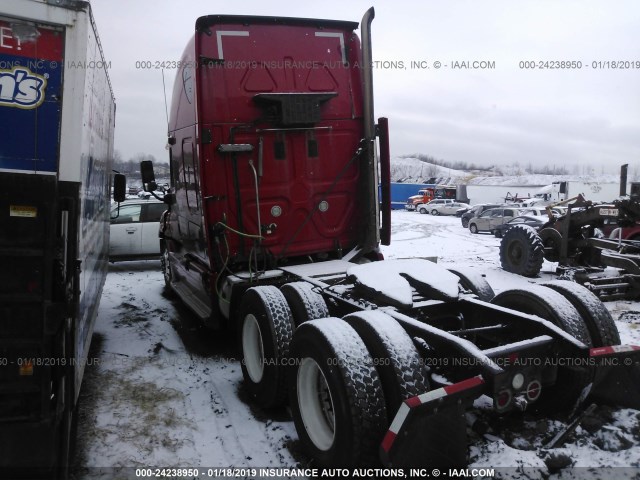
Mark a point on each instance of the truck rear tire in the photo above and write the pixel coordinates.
(552, 306)
(305, 303)
(401, 369)
(266, 329)
(335, 395)
(600, 324)
(474, 282)
(521, 251)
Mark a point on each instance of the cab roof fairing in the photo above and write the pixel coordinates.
(203, 23)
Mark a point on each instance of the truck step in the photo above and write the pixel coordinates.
(202, 310)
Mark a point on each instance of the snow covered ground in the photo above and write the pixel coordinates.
(162, 391)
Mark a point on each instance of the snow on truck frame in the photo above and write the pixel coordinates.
(273, 227)
(56, 146)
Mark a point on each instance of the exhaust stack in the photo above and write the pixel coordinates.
(623, 179)
(367, 61)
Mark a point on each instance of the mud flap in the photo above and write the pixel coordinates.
(617, 377)
(430, 430)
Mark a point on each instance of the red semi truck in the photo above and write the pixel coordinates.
(273, 228)
(57, 118)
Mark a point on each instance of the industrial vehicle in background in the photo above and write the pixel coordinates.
(444, 192)
(576, 241)
(273, 228)
(57, 117)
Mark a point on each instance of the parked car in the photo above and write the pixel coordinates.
(533, 221)
(488, 220)
(475, 211)
(134, 229)
(426, 207)
(446, 208)
(541, 211)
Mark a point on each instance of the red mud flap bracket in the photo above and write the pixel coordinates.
(430, 430)
(617, 376)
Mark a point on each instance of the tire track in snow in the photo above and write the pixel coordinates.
(440, 236)
(228, 433)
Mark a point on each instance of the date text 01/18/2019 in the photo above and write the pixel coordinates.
(579, 65)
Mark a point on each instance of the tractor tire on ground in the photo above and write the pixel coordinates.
(305, 303)
(521, 251)
(552, 306)
(266, 329)
(475, 282)
(600, 324)
(335, 395)
(551, 240)
(401, 369)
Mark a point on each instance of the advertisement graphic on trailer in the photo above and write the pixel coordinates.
(31, 66)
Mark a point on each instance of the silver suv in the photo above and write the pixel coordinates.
(424, 207)
(475, 211)
(488, 220)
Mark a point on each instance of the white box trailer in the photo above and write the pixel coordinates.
(57, 118)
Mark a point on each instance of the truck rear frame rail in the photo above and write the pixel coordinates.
(463, 348)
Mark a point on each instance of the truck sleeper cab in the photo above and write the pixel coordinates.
(271, 153)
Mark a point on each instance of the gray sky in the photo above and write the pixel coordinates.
(504, 115)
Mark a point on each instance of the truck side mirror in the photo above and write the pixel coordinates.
(119, 187)
(148, 176)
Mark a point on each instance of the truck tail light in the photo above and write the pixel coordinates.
(503, 400)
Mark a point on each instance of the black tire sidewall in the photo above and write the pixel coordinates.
(399, 382)
(338, 454)
(268, 391)
(530, 263)
(597, 318)
(299, 310)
